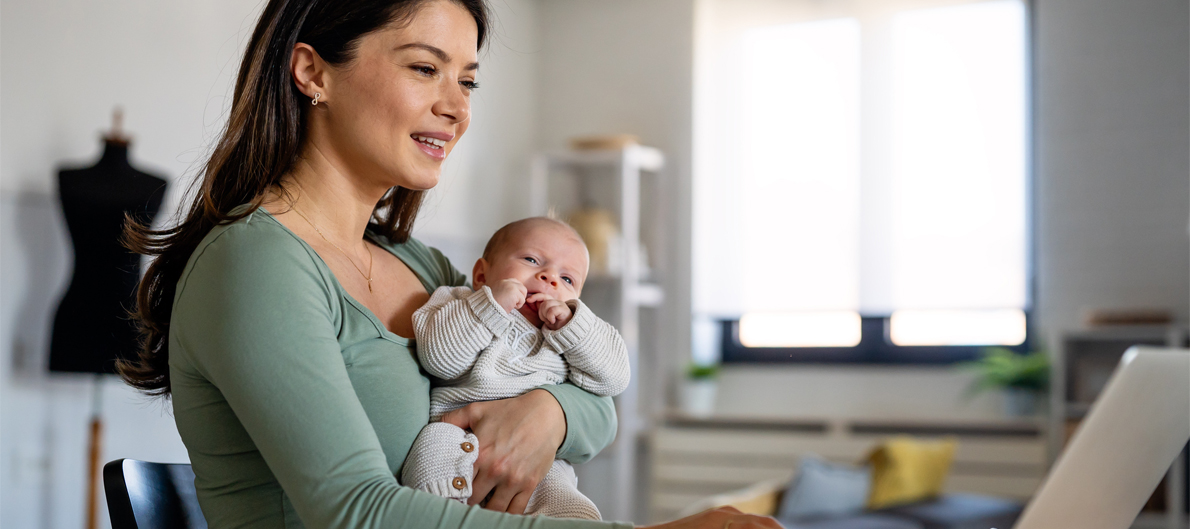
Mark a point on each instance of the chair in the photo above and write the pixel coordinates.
(143, 495)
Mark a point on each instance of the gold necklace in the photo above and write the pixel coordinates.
(367, 276)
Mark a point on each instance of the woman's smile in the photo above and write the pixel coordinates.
(432, 143)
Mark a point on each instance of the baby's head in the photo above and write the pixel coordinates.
(544, 254)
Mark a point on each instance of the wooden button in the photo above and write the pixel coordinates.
(459, 483)
(467, 447)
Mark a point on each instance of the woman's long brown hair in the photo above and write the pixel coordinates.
(261, 143)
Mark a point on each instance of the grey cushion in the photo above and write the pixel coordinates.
(822, 489)
(859, 521)
(961, 511)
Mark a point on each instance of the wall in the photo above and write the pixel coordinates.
(63, 65)
(1113, 125)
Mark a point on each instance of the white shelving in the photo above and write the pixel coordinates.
(610, 179)
(1081, 367)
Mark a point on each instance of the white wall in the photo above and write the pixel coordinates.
(63, 65)
(1113, 125)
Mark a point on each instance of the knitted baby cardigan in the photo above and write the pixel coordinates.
(479, 352)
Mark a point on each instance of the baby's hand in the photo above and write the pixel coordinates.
(510, 294)
(553, 313)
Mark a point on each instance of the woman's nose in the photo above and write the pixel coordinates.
(453, 104)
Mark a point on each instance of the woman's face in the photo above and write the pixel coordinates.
(397, 110)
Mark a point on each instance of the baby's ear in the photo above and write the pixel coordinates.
(479, 274)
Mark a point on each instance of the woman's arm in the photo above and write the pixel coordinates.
(590, 422)
(256, 318)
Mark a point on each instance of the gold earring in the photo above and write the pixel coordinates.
(316, 96)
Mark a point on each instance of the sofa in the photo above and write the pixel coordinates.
(947, 511)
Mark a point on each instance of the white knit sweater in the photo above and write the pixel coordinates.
(479, 352)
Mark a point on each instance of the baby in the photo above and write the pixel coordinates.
(521, 327)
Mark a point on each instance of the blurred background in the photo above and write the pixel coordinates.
(821, 225)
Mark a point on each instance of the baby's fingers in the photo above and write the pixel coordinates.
(558, 316)
(537, 297)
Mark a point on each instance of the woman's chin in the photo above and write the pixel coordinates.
(418, 182)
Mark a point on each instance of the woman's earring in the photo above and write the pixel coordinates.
(316, 96)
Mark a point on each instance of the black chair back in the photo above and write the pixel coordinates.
(142, 495)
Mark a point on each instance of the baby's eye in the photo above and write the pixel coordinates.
(531, 260)
(568, 281)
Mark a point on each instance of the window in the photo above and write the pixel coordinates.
(861, 179)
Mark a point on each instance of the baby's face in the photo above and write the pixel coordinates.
(545, 257)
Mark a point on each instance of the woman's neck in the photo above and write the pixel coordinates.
(339, 203)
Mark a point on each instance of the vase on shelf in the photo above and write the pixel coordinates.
(698, 397)
(1020, 402)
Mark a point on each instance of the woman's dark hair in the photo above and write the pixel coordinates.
(263, 139)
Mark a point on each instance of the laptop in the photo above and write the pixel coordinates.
(1132, 434)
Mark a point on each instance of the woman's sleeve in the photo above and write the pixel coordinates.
(590, 419)
(260, 324)
(590, 422)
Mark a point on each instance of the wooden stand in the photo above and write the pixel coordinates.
(93, 458)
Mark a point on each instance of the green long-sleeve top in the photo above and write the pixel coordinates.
(298, 407)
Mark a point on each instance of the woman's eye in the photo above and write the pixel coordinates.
(469, 85)
(425, 70)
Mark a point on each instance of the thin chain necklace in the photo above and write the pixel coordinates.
(368, 275)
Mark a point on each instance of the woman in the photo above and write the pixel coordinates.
(278, 313)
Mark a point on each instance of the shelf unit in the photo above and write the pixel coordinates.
(611, 179)
(1081, 368)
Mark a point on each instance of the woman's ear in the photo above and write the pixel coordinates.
(309, 72)
(479, 274)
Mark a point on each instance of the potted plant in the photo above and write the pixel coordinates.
(1022, 377)
(699, 388)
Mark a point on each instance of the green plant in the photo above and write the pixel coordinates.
(1002, 368)
(701, 371)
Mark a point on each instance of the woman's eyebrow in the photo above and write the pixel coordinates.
(441, 55)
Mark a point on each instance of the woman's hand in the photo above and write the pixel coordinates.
(721, 518)
(518, 439)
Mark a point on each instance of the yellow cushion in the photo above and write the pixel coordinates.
(906, 470)
(763, 504)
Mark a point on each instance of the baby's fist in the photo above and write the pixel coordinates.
(553, 313)
(509, 294)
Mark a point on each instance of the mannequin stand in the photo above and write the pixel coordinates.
(93, 460)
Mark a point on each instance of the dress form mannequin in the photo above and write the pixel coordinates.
(92, 327)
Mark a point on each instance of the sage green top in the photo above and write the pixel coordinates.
(298, 406)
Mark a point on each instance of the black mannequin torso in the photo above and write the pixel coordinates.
(92, 327)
